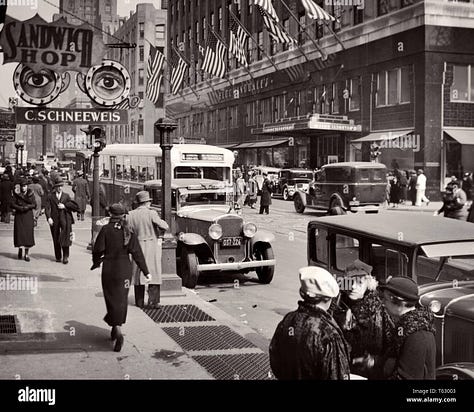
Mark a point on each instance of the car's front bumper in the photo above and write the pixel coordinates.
(365, 208)
(207, 267)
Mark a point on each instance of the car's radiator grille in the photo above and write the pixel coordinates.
(459, 339)
(231, 226)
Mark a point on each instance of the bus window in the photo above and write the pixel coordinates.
(126, 168)
(216, 173)
(347, 251)
(187, 172)
(119, 168)
(134, 168)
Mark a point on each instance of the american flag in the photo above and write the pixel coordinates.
(178, 69)
(154, 74)
(215, 56)
(268, 7)
(237, 40)
(278, 34)
(316, 12)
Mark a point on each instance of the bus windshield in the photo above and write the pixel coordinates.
(205, 172)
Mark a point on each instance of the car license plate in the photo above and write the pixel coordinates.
(231, 242)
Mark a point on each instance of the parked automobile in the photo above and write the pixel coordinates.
(211, 236)
(272, 174)
(290, 180)
(353, 186)
(436, 252)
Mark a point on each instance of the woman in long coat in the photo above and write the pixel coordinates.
(113, 246)
(37, 190)
(23, 202)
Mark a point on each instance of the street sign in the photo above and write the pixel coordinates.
(29, 115)
(7, 120)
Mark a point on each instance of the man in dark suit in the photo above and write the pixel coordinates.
(59, 209)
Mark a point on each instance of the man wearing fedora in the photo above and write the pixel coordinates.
(148, 227)
(412, 354)
(59, 209)
(82, 196)
(308, 343)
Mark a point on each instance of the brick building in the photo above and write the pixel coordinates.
(398, 75)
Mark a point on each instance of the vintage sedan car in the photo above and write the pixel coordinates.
(211, 235)
(352, 186)
(291, 180)
(436, 252)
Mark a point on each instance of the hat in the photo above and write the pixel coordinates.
(80, 172)
(22, 181)
(316, 281)
(143, 196)
(358, 268)
(58, 182)
(404, 288)
(117, 209)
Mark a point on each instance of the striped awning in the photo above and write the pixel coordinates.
(316, 12)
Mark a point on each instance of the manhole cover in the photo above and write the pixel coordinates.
(207, 338)
(7, 324)
(178, 313)
(248, 366)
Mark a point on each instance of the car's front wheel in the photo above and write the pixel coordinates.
(264, 273)
(188, 268)
(298, 203)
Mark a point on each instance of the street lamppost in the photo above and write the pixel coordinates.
(165, 127)
(19, 146)
(96, 136)
(113, 171)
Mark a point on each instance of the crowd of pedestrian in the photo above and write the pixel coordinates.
(367, 331)
(247, 191)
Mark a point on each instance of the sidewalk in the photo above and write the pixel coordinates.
(407, 207)
(61, 335)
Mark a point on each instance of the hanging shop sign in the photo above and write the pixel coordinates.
(58, 46)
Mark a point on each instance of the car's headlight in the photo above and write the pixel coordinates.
(215, 231)
(249, 230)
(435, 306)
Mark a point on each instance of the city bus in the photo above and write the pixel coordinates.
(123, 168)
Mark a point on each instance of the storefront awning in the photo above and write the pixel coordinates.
(463, 136)
(263, 143)
(380, 136)
(310, 124)
(228, 146)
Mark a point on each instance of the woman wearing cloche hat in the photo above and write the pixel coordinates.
(114, 243)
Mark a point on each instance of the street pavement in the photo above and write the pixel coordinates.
(61, 334)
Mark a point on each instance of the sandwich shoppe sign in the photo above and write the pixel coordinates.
(59, 46)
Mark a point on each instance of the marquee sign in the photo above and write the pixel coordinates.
(30, 115)
(58, 46)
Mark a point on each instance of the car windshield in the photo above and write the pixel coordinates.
(202, 197)
(302, 175)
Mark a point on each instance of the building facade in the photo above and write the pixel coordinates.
(389, 74)
(145, 27)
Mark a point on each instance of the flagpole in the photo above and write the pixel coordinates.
(244, 65)
(335, 35)
(258, 45)
(307, 34)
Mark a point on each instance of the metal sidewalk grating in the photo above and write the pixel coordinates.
(177, 313)
(207, 338)
(7, 324)
(247, 366)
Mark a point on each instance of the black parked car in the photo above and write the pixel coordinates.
(290, 180)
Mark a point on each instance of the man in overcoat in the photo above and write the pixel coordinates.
(59, 209)
(82, 196)
(266, 197)
(146, 224)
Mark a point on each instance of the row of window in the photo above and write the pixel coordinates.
(129, 168)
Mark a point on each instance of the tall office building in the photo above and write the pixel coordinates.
(394, 73)
(145, 27)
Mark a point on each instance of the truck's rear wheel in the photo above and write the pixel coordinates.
(298, 203)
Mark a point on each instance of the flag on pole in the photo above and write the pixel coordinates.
(278, 33)
(237, 40)
(268, 7)
(316, 12)
(178, 70)
(215, 56)
(154, 74)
